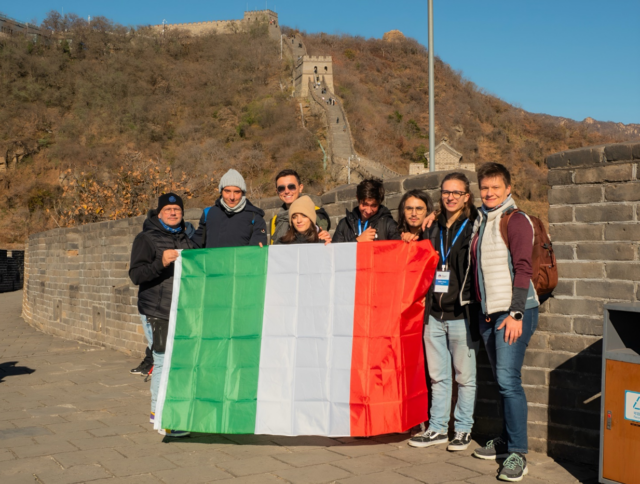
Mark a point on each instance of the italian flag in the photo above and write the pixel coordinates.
(297, 340)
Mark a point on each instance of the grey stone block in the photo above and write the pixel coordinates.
(604, 213)
(393, 201)
(563, 252)
(575, 232)
(269, 202)
(588, 326)
(193, 214)
(337, 209)
(564, 288)
(585, 156)
(344, 192)
(572, 344)
(635, 151)
(581, 270)
(623, 270)
(560, 177)
(554, 323)
(607, 251)
(622, 192)
(575, 195)
(427, 181)
(602, 174)
(618, 152)
(394, 185)
(572, 307)
(557, 160)
(560, 214)
(605, 289)
(630, 232)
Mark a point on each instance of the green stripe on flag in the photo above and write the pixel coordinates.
(213, 380)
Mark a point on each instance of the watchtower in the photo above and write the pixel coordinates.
(315, 69)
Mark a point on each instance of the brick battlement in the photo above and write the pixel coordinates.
(319, 58)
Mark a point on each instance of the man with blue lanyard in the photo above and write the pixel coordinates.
(370, 220)
(450, 334)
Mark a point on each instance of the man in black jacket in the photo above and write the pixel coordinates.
(151, 268)
(233, 221)
(370, 220)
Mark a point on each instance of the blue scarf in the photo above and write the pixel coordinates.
(171, 229)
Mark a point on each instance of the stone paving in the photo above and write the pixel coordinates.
(72, 413)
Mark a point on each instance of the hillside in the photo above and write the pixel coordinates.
(384, 86)
(96, 122)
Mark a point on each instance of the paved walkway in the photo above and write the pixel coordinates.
(72, 413)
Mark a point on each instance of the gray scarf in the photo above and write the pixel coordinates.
(238, 208)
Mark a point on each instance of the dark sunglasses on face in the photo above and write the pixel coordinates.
(291, 187)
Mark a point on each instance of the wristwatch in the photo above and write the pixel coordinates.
(517, 315)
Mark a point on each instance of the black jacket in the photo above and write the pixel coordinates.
(447, 306)
(221, 229)
(146, 269)
(382, 221)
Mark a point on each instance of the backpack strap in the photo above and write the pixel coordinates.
(204, 235)
(504, 223)
(273, 227)
(206, 213)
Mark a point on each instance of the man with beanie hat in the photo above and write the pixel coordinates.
(233, 221)
(151, 268)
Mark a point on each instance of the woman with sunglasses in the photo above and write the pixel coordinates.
(449, 333)
(302, 224)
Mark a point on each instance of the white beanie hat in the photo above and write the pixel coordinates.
(233, 179)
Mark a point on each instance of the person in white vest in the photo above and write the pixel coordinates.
(509, 314)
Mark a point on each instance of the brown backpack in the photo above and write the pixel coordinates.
(543, 260)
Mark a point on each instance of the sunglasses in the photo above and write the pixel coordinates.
(291, 187)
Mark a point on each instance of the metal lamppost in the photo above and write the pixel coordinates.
(432, 141)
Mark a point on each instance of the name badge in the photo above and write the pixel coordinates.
(442, 281)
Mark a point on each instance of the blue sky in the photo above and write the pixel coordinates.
(572, 58)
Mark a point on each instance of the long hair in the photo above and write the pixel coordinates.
(403, 226)
(463, 178)
(311, 234)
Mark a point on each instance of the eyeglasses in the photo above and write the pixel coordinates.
(455, 195)
(418, 210)
(172, 210)
(291, 187)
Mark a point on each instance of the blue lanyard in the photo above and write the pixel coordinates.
(360, 228)
(445, 257)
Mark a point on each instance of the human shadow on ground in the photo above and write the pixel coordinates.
(9, 368)
(286, 441)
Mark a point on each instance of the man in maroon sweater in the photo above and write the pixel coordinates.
(509, 313)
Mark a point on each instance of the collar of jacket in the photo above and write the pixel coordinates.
(249, 207)
(152, 222)
(354, 215)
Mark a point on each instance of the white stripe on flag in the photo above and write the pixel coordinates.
(305, 357)
(173, 312)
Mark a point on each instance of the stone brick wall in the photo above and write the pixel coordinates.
(594, 210)
(11, 270)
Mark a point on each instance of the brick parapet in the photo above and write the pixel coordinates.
(594, 204)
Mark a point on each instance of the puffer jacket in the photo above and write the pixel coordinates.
(218, 228)
(146, 269)
(382, 221)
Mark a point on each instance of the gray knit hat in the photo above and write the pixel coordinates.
(233, 179)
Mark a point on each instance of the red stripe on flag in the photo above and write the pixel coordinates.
(388, 382)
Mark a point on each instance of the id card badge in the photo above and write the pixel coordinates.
(442, 281)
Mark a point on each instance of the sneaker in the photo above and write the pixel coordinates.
(141, 369)
(460, 442)
(496, 448)
(148, 370)
(427, 439)
(152, 417)
(514, 468)
(174, 433)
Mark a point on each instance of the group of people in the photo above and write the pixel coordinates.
(482, 288)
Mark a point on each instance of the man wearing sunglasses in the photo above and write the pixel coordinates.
(289, 188)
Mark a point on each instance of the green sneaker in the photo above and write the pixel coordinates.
(514, 468)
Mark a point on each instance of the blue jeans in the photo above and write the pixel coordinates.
(146, 327)
(158, 363)
(446, 341)
(506, 362)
